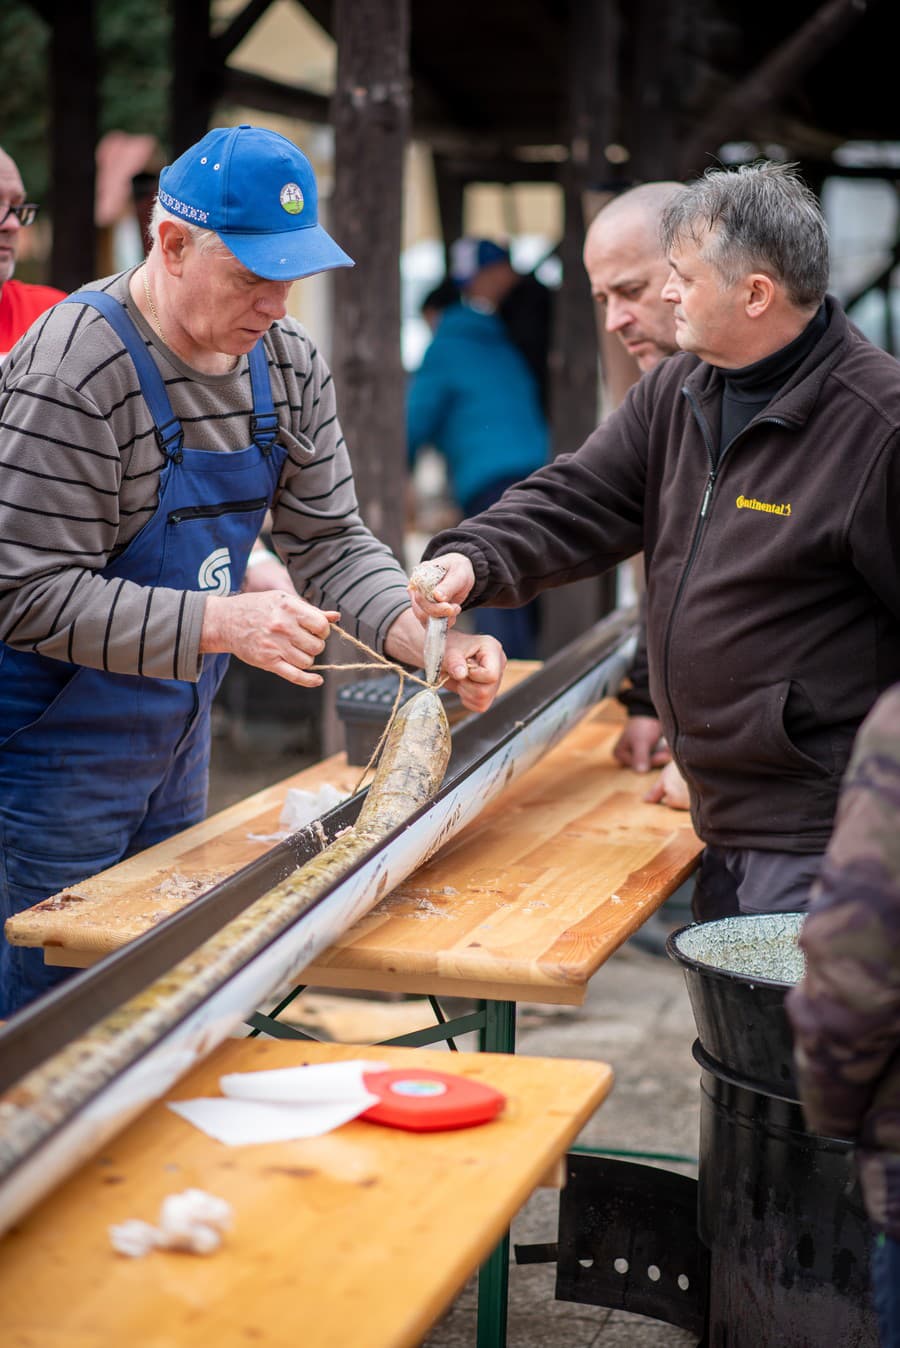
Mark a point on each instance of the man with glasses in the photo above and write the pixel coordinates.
(20, 304)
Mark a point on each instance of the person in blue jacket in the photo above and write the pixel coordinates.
(476, 401)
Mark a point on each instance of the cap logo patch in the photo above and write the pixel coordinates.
(291, 199)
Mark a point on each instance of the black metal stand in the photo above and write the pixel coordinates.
(628, 1240)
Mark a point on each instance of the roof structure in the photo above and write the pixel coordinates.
(494, 82)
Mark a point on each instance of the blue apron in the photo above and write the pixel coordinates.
(95, 766)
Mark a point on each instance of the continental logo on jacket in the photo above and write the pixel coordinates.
(768, 507)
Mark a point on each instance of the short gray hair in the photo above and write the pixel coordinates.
(206, 240)
(762, 217)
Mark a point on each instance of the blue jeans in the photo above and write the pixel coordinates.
(886, 1289)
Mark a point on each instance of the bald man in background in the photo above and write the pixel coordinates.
(627, 269)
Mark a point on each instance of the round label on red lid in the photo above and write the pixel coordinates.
(418, 1087)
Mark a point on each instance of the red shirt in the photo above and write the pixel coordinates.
(20, 305)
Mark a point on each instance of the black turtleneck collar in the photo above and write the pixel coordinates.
(750, 389)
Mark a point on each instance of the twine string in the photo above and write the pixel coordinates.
(382, 660)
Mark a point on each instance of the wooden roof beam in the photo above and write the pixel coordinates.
(233, 35)
(468, 144)
(491, 169)
(322, 11)
(766, 86)
(264, 95)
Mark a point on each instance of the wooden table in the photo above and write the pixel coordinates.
(358, 1238)
(524, 905)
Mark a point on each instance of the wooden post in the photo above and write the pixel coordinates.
(574, 365)
(371, 120)
(73, 81)
(195, 80)
(450, 189)
(653, 103)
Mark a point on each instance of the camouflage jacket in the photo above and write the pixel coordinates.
(846, 1010)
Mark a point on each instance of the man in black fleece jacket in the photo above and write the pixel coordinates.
(759, 472)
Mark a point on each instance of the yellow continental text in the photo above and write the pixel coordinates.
(769, 507)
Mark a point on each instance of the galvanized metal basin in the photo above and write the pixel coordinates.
(778, 1207)
(738, 971)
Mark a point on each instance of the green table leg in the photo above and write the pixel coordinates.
(498, 1036)
(499, 1033)
(493, 1297)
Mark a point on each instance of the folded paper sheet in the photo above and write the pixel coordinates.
(282, 1105)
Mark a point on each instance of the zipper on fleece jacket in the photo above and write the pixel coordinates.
(715, 467)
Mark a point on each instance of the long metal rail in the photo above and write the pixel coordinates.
(60, 1034)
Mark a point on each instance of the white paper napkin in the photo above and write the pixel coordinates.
(283, 1104)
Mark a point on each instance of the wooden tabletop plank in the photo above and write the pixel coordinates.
(524, 904)
(364, 1235)
(535, 894)
(101, 913)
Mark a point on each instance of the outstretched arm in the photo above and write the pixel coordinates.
(473, 665)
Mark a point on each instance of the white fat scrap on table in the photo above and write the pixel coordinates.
(192, 1221)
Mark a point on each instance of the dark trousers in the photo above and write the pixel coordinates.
(734, 880)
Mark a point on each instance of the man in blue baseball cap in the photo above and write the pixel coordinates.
(258, 193)
(150, 422)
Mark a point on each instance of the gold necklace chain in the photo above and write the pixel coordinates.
(233, 361)
(151, 306)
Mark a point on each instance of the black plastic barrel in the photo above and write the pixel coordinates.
(779, 1208)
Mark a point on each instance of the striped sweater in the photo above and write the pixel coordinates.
(79, 475)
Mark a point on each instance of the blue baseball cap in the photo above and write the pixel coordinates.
(258, 192)
(470, 256)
